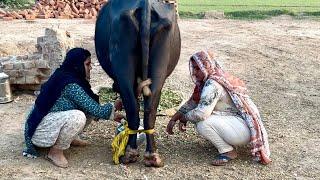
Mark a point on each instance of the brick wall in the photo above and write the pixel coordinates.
(31, 70)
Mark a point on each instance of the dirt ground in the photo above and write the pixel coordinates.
(278, 59)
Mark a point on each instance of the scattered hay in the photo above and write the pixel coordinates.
(169, 98)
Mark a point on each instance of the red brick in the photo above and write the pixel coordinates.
(56, 14)
(7, 18)
(88, 16)
(2, 11)
(86, 11)
(102, 2)
(63, 17)
(75, 15)
(81, 5)
(52, 2)
(93, 12)
(61, 4)
(67, 8)
(43, 16)
(16, 15)
(38, 6)
(23, 13)
(87, 5)
(94, 2)
(74, 9)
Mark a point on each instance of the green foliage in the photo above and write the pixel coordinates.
(17, 3)
(248, 9)
(169, 99)
(189, 15)
(257, 14)
(316, 13)
(107, 95)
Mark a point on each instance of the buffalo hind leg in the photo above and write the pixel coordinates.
(151, 157)
(124, 62)
(159, 62)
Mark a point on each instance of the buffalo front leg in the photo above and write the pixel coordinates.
(131, 106)
(159, 62)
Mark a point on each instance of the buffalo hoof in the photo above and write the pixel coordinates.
(153, 160)
(131, 156)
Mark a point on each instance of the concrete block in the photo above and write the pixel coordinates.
(7, 58)
(35, 57)
(19, 80)
(7, 66)
(40, 39)
(29, 64)
(51, 32)
(17, 65)
(32, 80)
(14, 73)
(42, 64)
(30, 72)
(25, 57)
(39, 48)
(44, 72)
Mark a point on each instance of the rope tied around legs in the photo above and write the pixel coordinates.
(120, 142)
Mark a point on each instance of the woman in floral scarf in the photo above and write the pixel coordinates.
(222, 112)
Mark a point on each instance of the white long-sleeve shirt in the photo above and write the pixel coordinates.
(214, 99)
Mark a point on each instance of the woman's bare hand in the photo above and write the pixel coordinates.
(183, 124)
(118, 105)
(118, 117)
(176, 117)
(170, 127)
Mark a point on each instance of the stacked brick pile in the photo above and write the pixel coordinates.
(32, 70)
(62, 9)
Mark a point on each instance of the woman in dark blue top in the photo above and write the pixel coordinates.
(59, 112)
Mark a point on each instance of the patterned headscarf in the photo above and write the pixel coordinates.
(212, 69)
(238, 93)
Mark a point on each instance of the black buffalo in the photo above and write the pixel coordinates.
(138, 39)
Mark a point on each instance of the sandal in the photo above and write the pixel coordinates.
(221, 160)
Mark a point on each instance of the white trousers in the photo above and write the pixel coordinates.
(224, 131)
(59, 129)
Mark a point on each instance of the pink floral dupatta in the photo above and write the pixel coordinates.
(238, 92)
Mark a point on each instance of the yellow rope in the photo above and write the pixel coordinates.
(120, 142)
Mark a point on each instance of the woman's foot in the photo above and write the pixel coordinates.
(223, 158)
(56, 157)
(79, 142)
